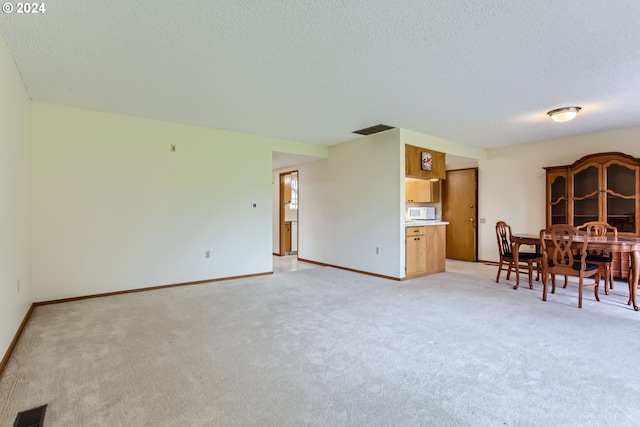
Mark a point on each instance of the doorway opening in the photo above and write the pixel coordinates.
(289, 202)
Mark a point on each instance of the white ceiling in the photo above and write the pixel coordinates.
(480, 72)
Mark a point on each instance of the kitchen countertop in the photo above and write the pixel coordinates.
(425, 222)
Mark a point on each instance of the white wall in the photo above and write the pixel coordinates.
(115, 209)
(352, 203)
(15, 199)
(512, 180)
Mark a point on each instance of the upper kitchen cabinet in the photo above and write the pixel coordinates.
(598, 187)
(422, 190)
(434, 163)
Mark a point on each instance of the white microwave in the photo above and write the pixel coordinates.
(421, 213)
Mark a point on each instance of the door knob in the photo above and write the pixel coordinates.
(470, 219)
(471, 206)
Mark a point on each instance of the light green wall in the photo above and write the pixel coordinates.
(352, 203)
(15, 199)
(114, 208)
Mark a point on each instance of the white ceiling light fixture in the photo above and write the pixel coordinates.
(564, 114)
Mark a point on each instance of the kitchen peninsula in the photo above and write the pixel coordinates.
(426, 239)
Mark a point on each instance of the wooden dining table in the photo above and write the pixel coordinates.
(623, 244)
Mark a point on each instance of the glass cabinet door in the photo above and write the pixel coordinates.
(621, 197)
(586, 192)
(558, 200)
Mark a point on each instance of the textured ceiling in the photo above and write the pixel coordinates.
(481, 72)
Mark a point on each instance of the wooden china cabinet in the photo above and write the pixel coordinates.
(598, 187)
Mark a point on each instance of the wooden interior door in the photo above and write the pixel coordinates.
(459, 208)
(285, 199)
(286, 195)
(416, 251)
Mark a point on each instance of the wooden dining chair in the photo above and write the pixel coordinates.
(503, 234)
(603, 258)
(558, 243)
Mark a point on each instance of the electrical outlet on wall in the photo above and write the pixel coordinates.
(377, 250)
(207, 254)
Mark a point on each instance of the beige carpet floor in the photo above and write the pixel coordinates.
(326, 347)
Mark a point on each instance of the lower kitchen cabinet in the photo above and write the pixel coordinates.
(416, 251)
(425, 250)
(436, 236)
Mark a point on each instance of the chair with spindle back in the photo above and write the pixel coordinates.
(600, 257)
(503, 233)
(558, 243)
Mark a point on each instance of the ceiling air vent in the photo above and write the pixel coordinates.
(31, 418)
(373, 129)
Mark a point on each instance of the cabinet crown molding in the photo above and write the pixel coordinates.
(600, 158)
